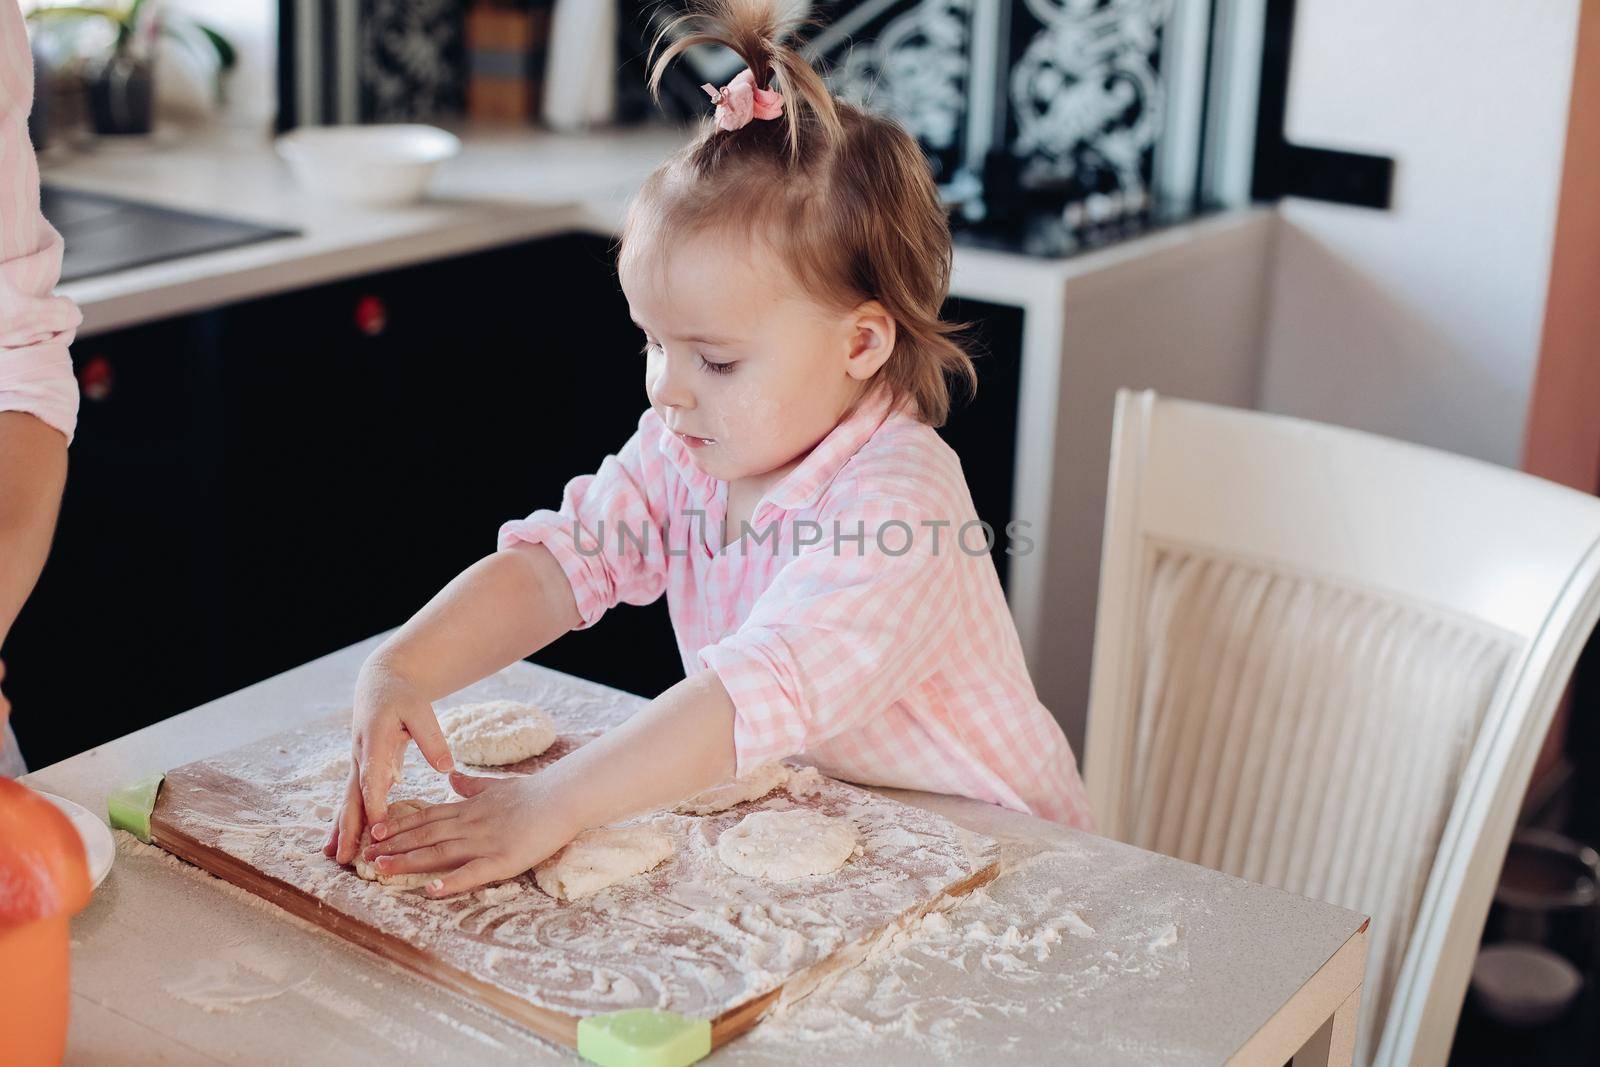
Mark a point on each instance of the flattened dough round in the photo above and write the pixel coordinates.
(602, 857)
(784, 845)
(497, 732)
(758, 783)
(402, 881)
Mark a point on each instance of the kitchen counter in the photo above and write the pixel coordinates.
(506, 186)
(1083, 950)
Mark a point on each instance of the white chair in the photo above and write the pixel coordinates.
(1326, 661)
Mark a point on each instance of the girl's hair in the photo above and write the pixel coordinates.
(842, 197)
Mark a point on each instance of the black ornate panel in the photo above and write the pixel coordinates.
(413, 60)
(1072, 92)
(911, 59)
(1085, 100)
(907, 58)
(1027, 110)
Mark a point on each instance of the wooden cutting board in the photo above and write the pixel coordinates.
(691, 936)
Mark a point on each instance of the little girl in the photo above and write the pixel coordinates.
(831, 593)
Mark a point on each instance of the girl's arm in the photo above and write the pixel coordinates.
(544, 581)
(38, 393)
(678, 745)
(501, 609)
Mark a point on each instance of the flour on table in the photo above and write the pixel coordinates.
(494, 733)
(240, 974)
(753, 786)
(1005, 971)
(599, 858)
(370, 871)
(787, 844)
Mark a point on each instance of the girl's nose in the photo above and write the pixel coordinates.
(666, 385)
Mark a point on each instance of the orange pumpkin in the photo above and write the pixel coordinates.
(44, 881)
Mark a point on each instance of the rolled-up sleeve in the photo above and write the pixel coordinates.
(608, 533)
(844, 630)
(35, 326)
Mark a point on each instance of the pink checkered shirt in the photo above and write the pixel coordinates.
(35, 326)
(887, 658)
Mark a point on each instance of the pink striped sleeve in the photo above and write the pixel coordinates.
(843, 631)
(608, 534)
(35, 326)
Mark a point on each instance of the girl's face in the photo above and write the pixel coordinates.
(747, 371)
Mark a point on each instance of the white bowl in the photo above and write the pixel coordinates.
(372, 165)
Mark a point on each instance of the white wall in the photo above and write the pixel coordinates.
(1423, 322)
(251, 26)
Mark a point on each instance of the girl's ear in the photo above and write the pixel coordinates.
(872, 334)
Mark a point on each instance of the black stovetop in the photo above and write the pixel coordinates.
(106, 233)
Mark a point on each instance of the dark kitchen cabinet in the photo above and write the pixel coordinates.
(377, 457)
(118, 631)
(257, 485)
(983, 429)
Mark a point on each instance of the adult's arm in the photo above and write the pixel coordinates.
(36, 326)
(38, 393)
(33, 470)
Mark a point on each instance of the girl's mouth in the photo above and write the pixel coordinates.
(696, 442)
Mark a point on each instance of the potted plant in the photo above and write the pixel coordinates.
(120, 83)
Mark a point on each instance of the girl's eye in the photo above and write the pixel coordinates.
(714, 368)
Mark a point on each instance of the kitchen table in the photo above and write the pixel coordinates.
(1083, 950)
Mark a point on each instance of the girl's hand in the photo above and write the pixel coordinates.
(504, 827)
(388, 712)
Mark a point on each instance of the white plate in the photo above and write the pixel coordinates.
(97, 842)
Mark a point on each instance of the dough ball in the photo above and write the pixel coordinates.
(753, 786)
(370, 871)
(496, 732)
(599, 858)
(783, 845)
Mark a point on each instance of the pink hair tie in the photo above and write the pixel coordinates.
(739, 101)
